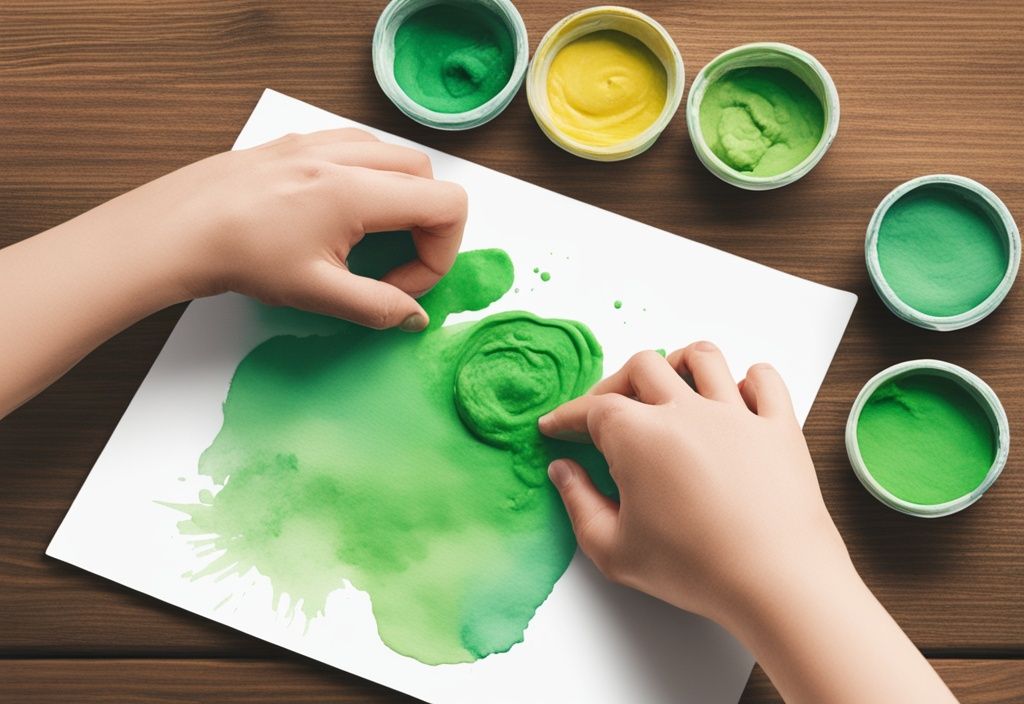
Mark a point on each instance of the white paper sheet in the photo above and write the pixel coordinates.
(590, 641)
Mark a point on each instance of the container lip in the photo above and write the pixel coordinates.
(982, 392)
(727, 173)
(536, 83)
(383, 67)
(943, 322)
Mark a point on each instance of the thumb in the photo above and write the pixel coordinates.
(593, 515)
(333, 290)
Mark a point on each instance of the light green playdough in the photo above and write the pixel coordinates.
(925, 438)
(452, 58)
(407, 465)
(762, 121)
(940, 253)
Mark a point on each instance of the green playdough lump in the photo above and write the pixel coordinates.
(762, 121)
(925, 438)
(515, 368)
(409, 466)
(452, 58)
(940, 253)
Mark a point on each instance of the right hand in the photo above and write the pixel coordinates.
(718, 494)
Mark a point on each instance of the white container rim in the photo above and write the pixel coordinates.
(755, 55)
(981, 392)
(978, 194)
(383, 51)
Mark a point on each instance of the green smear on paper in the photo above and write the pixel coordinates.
(939, 252)
(407, 465)
(762, 121)
(925, 438)
(452, 58)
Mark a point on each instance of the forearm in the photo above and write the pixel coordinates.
(823, 637)
(66, 290)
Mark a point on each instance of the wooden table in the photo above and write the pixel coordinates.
(97, 97)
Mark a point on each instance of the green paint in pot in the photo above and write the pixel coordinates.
(762, 121)
(940, 252)
(451, 58)
(925, 438)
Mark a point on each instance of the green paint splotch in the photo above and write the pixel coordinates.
(409, 466)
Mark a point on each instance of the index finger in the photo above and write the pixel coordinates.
(585, 418)
(434, 211)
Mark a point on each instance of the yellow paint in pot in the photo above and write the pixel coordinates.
(605, 87)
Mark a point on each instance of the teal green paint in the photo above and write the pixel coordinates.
(408, 465)
(617, 304)
(925, 438)
(453, 58)
(940, 253)
(762, 121)
(545, 276)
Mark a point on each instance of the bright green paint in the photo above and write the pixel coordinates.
(545, 276)
(344, 457)
(760, 120)
(940, 253)
(925, 438)
(452, 58)
(617, 304)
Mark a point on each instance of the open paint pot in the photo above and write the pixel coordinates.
(927, 438)
(942, 251)
(761, 116)
(605, 82)
(450, 64)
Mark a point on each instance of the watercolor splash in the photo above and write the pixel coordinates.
(408, 466)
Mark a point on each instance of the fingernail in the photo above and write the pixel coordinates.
(560, 473)
(544, 420)
(414, 323)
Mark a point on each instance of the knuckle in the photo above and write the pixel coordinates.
(608, 412)
(455, 194)
(646, 358)
(420, 161)
(383, 314)
(353, 133)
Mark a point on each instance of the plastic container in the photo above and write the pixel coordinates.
(990, 204)
(977, 388)
(396, 13)
(764, 55)
(605, 17)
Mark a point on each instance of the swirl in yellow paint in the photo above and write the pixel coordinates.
(606, 88)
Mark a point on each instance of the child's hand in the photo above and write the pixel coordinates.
(718, 492)
(277, 222)
(720, 514)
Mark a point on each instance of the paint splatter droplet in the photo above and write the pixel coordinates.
(545, 276)
(617, 304)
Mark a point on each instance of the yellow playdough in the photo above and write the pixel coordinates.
(605, 88)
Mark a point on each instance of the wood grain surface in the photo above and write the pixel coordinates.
(97, 97)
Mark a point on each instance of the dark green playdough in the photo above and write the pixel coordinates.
(406, 464)
(452, 58)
